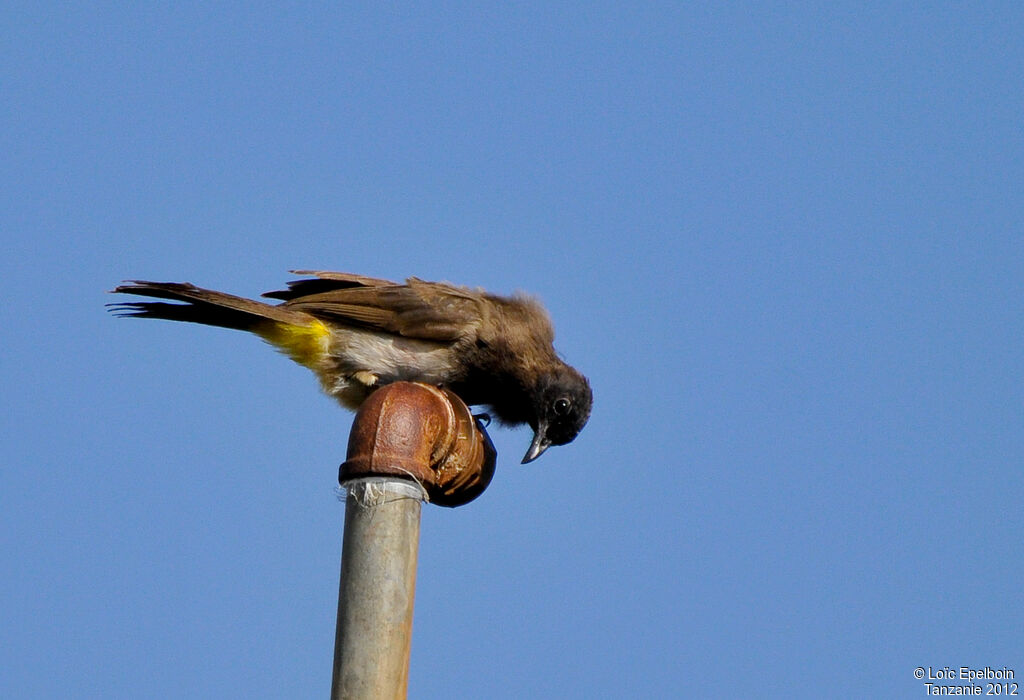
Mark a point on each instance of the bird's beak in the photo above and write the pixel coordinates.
(537, 447)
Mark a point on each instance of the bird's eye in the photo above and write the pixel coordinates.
(562, 406)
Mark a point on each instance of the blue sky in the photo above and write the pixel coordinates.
(784, 242)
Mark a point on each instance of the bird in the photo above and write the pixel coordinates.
(358, 333)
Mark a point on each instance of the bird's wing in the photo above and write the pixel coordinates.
(417, 309)
(324, 281)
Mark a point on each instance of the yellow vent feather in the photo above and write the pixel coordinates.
(307, 345)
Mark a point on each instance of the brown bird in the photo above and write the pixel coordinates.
(358, 333)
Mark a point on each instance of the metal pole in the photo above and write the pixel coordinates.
(409, 443)
(378, 584)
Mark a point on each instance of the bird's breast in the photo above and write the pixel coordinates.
(392, 358)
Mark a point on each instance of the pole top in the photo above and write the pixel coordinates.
(424, 433)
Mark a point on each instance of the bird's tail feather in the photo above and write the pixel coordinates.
(299, 335)
(202, 306)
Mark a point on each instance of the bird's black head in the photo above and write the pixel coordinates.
(561, 406)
